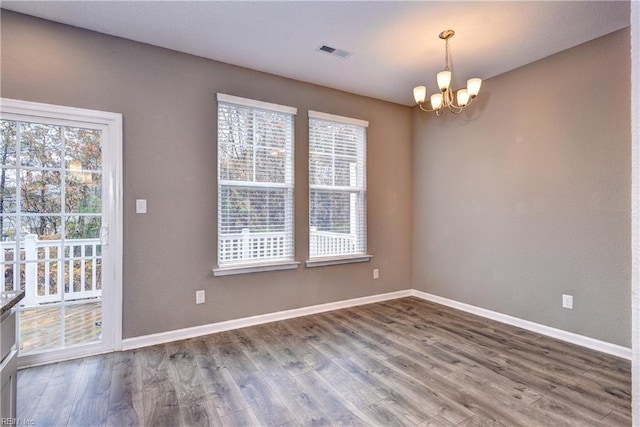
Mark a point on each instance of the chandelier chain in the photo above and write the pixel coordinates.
(446, 55)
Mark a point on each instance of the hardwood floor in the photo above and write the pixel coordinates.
(401, 362)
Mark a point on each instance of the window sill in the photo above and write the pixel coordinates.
(255, 268)
(324, 261)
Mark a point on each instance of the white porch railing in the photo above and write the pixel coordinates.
(326, 243)
(44, 271)
(248, 246)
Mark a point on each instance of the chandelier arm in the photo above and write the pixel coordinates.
(449, 97)
(425, 109)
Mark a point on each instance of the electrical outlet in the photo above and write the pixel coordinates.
(199, 297)
(376, 273)
(567, 301)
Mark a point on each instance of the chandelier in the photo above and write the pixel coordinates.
(454, 101)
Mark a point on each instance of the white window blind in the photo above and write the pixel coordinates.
(255, 182)
(337, 186)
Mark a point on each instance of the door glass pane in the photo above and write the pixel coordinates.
(8, 189)
(8, 129)
(40, 145)
(83, 192)
(83, 149)
(8, 255)
(50, 219)
(82, 227)
(40, 191)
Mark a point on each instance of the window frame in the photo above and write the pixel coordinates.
(344, 258)
(260, 264)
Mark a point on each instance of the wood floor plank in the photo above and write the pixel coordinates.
(36, 375)
(565, 414)
(196, 408)
(402, 362)
(217, 381)
(382, 415)
(358, 393)
(436, 422)
(293, 343)
(479, 421)
(580, 393)
(91, 405)
(59, 396)
(125, 398)
(289, 357)
(32, 384)
(160, 403)
(564, 352)
(416, 349)
(615, 419)
(340, 411)
(539, 380)
(306, 410)
(243, 418)
(266, 405)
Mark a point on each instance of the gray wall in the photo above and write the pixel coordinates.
(527, 196)
(168, 103)
(524, 197)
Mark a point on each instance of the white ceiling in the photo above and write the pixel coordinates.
(395, 44)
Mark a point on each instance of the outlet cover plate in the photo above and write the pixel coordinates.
(567, 301)
(199, 297)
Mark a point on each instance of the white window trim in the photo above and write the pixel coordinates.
(345, 259)
(254, 268)
(112, 270)
(340, 119)
(246, 102)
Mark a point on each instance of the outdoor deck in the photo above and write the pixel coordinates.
(40, 327)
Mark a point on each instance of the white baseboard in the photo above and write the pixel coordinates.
(581, 340)
(212, 328)
(196, 331)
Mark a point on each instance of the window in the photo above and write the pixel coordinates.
(255, 183)
(337, 187)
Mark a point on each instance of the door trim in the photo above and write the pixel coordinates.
(113, 217)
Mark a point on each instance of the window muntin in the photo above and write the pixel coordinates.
(255, 182)
(337, 186)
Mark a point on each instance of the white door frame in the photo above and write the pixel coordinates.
(111, 123)
(635, 210)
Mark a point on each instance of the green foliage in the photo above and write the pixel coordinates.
(58, 171)
(53, 175)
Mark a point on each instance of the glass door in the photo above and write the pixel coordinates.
(54, 235)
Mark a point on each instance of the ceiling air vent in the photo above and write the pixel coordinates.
(334, 51)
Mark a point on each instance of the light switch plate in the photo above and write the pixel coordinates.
(141, 206)
(199, 297)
